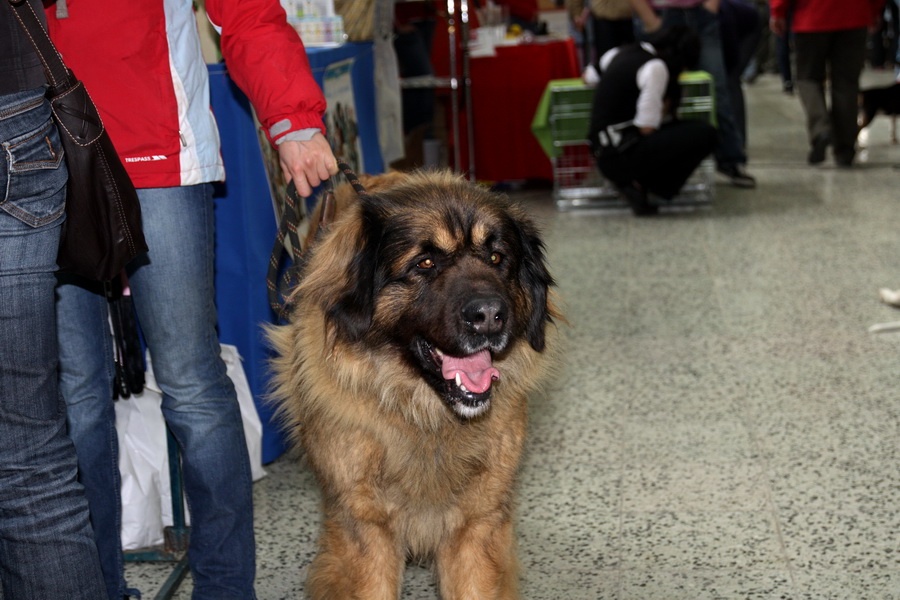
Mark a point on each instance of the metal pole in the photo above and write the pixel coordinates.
(454, 84)
(467, 87)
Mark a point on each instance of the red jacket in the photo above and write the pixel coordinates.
(828, 15)
(141, 62)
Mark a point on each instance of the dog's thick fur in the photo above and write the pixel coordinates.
(425, 268)
(880, 100)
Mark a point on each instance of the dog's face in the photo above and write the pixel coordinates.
(449, 276)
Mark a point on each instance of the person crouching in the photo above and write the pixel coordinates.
(638, 142)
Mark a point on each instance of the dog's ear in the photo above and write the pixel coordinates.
(536, 280)
(352, 313)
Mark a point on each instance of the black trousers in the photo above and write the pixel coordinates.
(831, 61)
(662, 161)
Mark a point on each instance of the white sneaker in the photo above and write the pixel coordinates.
(891, 297)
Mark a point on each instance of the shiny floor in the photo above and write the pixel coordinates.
(725, 426)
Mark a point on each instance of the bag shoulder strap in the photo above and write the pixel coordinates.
(58, 75)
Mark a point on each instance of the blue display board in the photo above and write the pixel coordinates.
(361, 59)
(245, 220)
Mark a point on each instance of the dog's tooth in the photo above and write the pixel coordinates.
(459, 383)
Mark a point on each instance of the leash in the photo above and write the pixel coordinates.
(279, 287)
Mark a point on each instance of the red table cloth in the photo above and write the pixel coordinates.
(506, 90)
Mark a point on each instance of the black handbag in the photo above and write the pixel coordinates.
(102, 231)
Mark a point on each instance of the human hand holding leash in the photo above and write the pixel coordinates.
(307, 163)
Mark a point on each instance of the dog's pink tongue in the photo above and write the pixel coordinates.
(475, 371)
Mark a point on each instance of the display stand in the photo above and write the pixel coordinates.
(361, 56)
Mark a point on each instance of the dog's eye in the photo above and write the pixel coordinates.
(426, 263)
(496, 258)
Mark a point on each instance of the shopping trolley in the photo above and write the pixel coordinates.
(577, 183)
(698, 92)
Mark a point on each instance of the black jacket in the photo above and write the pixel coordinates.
(616, 96)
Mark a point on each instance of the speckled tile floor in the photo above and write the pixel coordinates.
(725, 426)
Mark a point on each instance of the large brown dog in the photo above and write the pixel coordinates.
(420, 325)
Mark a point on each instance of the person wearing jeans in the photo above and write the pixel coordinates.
(610, 22)
(146, 74)
(174, 301)
(701, 17)
(47, 550)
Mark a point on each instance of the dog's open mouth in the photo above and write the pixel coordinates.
(471, 374)
(465, 380)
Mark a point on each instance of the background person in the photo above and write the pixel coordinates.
(143, 65)
(740, 26)
(701, 16)
(829, 46)
(611, 23)
(638, 143)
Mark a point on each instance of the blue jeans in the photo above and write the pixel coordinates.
(174, 296)
(731, 147)
(46, 543)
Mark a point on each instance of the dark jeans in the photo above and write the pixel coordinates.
(413, 50)
(783, 46)
(731, 148)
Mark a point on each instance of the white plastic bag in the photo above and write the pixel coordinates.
(144, 458)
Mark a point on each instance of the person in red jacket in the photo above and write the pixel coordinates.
(829, 43)
(142, 64)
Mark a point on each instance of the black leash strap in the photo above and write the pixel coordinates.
(292, 214)
(352, 179)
